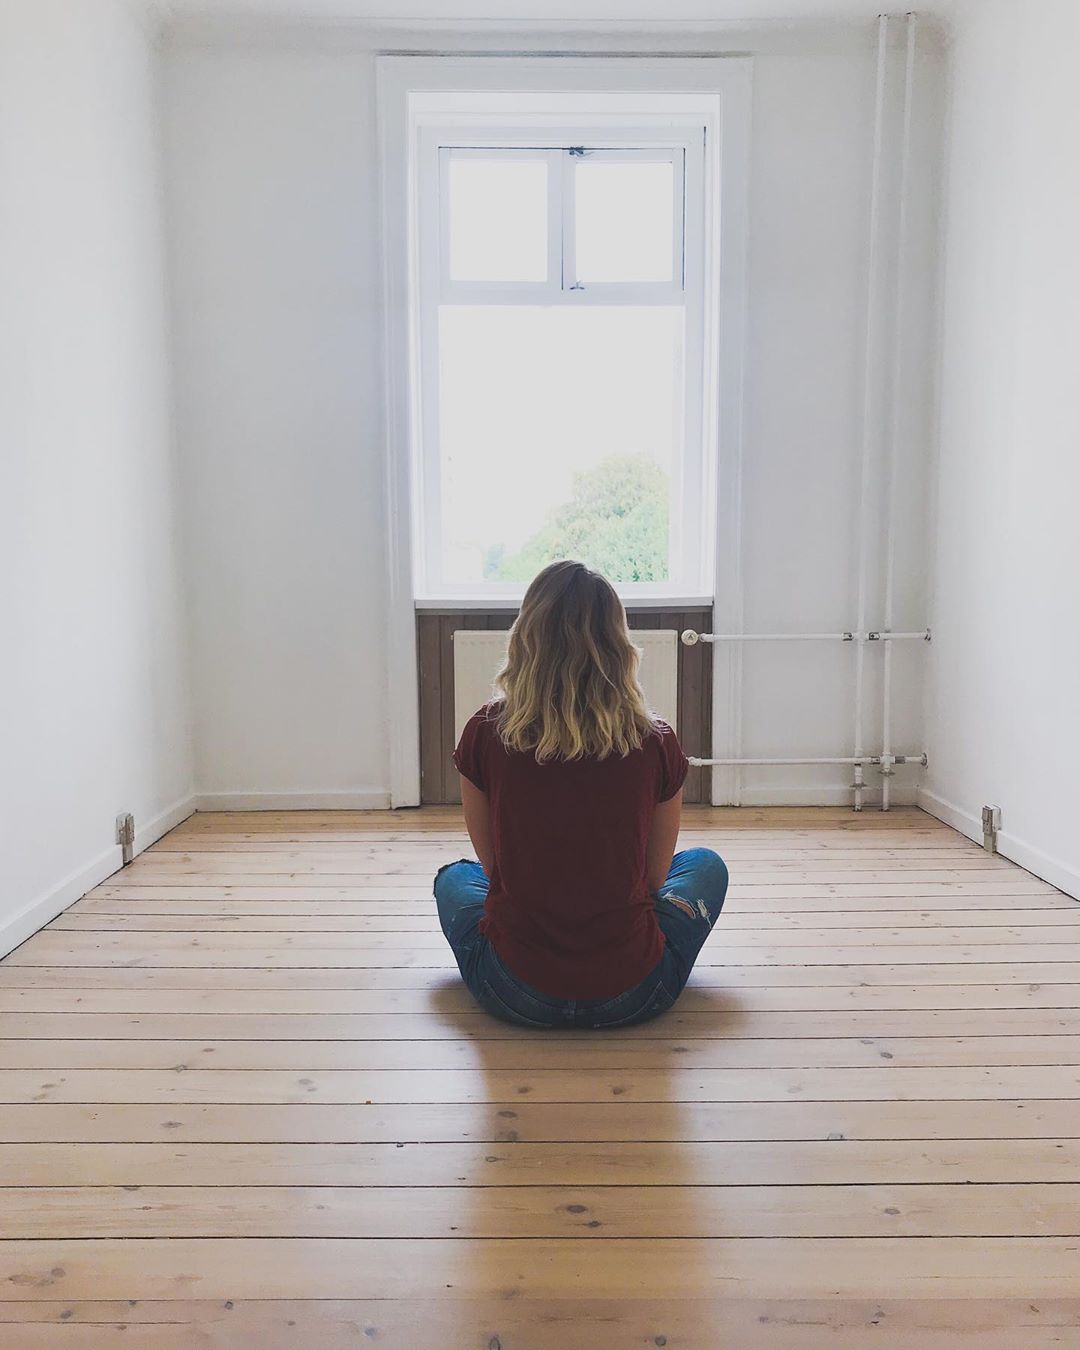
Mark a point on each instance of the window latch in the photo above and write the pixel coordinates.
(577, 150)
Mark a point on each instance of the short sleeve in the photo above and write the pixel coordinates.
(674, 766)
(469, 754)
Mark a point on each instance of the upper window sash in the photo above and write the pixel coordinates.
(562, 283)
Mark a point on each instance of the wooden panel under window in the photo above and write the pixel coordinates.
(435, 647)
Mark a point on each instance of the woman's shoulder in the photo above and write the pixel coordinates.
(672, 763)
(662, 732)
(661, 742)
(484, 721)
(473, 752)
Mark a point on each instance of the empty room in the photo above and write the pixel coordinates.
(540, 604)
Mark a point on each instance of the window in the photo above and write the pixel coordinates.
(559, 312)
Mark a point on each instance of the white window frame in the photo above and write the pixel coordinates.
(561, 285)
(431, 286)
(707, 97)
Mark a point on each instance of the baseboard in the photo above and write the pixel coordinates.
(366, 799)
(822, 796)
(1019, 851)
(45, 908)
(961, 821)
(156, 829)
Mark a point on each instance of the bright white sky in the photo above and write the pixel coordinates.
(530, 394)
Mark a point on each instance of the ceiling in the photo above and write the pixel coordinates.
(637, 12)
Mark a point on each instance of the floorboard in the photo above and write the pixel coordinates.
(245, 1102)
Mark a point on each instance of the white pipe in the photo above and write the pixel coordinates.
(690, 639)
(737, 671)
(836, 759)
(893, 444)
(868, 408)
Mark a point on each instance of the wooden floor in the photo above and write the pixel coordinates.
(245, 1103)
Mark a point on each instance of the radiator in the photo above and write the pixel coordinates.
(478, 655)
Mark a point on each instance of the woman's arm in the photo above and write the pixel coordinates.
(478, 823)
(662, 837)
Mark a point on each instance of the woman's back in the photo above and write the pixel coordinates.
(569, 907)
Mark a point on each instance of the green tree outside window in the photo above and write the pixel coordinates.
(616, 522)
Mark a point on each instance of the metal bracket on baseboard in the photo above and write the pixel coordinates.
(125, 836)
(991, 823)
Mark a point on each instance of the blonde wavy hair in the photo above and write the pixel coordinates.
(569, 686)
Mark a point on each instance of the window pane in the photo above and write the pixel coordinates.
(625, 220)
(559, 429)
(498, 218)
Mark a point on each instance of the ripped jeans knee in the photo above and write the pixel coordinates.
(693, 909)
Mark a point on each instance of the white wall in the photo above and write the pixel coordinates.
(1004, 716)
(812, 128)
(274, 213)
(95, 714)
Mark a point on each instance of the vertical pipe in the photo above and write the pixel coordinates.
(895, 421)
(737, 666)
(736, 658)
(869, 408)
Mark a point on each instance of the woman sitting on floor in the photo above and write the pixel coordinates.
(577, 913)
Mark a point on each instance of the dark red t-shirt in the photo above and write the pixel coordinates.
(568, 909)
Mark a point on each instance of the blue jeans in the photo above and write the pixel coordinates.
(687, 906)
